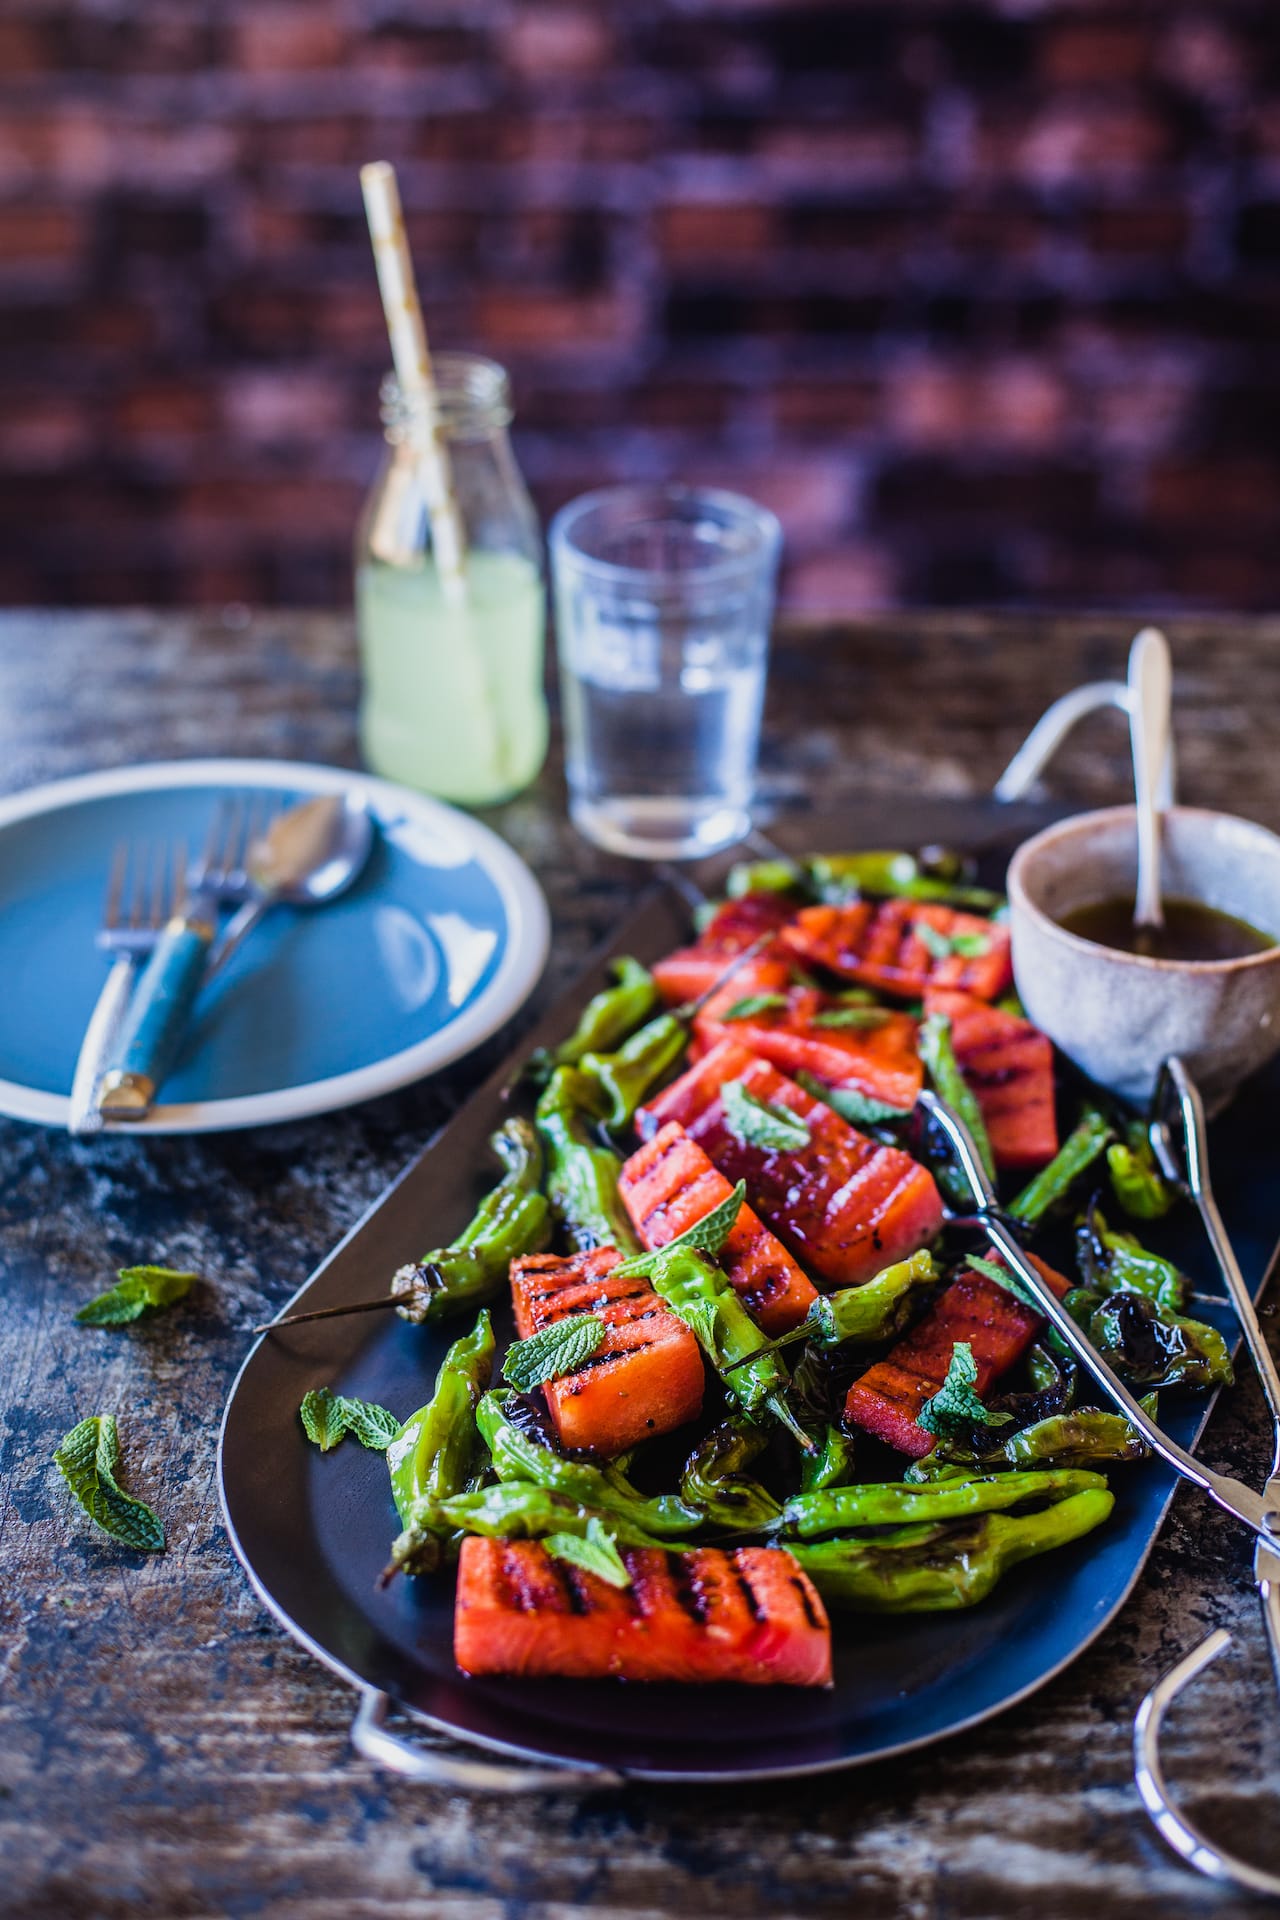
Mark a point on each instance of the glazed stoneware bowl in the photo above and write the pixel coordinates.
(1118, 1015)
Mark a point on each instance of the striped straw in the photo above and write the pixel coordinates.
(412, 359)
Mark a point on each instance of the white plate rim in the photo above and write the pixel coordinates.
(523, 903)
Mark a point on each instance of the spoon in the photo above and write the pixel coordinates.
(1150, 691)
(308, 855)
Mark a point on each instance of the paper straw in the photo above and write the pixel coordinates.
(412, 360)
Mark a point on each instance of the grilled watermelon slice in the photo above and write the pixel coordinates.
(751, 1616)
(669, 1184)
(1009, 1065)
(882, 946)
(887, 1400)
(645, 1378)
(689, 972)
(844, 1205)
(880, 1060)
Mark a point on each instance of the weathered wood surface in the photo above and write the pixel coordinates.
(166, 1751)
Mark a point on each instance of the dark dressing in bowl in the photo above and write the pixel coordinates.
(1191, 931)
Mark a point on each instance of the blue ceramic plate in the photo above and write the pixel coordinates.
(440, 940)
(312, 1530)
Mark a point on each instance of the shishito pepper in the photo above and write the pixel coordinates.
(627, 1075)
(609, 1017)
(895, 1503)
(582, 1173)
(1078, 1151)
(713, 1480)
(517, 1456)
(435, 1452)
(1088, 1437)
(700, 1293)
(831, 1465)
(937, 1566)
(513, 1219)
(518, 1510)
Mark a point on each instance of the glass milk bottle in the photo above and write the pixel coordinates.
(453, 699)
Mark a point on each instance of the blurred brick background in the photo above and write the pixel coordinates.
(984, 299)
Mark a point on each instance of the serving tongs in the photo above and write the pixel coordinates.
(1177, 1132)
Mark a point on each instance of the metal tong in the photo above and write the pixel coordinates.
(1177, 1133)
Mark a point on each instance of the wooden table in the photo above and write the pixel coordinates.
(166, 1751)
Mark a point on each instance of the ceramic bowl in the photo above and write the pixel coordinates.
(1118, 1015)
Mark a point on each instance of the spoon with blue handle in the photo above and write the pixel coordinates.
(309, 854)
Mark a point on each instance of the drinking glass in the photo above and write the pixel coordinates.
(663, 600)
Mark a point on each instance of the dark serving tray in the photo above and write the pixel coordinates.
(313, 1530)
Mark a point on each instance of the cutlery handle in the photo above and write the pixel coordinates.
(83, 1116)
(157, 1020)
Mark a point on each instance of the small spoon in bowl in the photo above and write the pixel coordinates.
(1150, 695)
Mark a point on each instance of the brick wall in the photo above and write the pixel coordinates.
(984, 299)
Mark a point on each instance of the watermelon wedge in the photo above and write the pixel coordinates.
(887, 1399)
(1009, 1065)
(882, 946)
(690, 971)
(880, 1060)
(669, 1184)
(843, 1204)
(750, 1616)
(645, 1378)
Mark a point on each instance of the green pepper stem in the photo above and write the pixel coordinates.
(329, 1313)
(785, 1418)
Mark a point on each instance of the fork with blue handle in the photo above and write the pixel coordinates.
(153, 1027)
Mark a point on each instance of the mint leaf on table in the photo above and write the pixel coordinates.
(328, 1417)
(707, 1236)
(756, 1123)
(856, 1016)
(138, 1290)
(553, 1351)
(754, 1003)
(955, 1407)
(859, 1109)
(595, 1553)
(88, 1459)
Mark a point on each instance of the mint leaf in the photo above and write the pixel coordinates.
(859, 1109)
(955, 1407)
(937, 943)
(707, 1236)
(553, 1351)
(1002, 1277)
(701, 1319)
(137, 1291)
(370, 1424)
(851, 1017)
(596, 1552)
(755, 1123)
(88, 1459)
(328, 1417)
(753, 1004)
(970, 946)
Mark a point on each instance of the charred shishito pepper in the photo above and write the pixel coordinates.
(582, 1172)
(438, 1450)
(609, 1017)
(511, 1220)
(935, 1566)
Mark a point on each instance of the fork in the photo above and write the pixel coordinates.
(151, 1032)
(143, 884)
